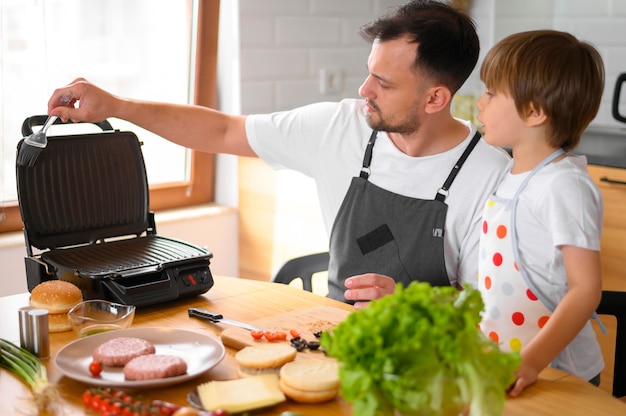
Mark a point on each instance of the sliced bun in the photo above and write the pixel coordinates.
(305, 396)
(57, 296)
(311, 375)
(58, 322)
(266, 356)
(264, 359)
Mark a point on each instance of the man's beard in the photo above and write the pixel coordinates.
(405, 126)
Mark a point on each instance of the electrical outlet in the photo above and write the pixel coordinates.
(330, 81)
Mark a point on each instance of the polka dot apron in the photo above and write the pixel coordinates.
(515, 310)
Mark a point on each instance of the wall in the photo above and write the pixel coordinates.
(601, 22)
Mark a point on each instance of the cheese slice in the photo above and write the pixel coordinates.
(242, 394)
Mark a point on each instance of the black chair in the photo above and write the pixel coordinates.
(614, 303)
(303, 268)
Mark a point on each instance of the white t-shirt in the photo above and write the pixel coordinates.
(561, 205)
(327, 142)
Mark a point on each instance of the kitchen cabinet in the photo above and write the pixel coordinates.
(612, 183)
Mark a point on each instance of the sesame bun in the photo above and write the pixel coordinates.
(58, 322)
(310, 381)
(57, 296)
(268, 358)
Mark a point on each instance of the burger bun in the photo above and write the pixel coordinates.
(264, 359)
(57, 296)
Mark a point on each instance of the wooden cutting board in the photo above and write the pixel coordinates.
(306, 321)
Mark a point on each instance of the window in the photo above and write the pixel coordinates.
(158, 50)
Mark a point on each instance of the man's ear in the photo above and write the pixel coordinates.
(438, 98)
(535, 116)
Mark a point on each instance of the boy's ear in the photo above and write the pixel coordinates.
(535, 116)
(438, 98)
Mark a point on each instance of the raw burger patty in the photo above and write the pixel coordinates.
(148, 367)
(116, 352)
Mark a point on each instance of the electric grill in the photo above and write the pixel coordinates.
(85, 209)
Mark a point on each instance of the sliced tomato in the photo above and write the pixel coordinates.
(269, 335)
(281, 336)
(256, 334)
(294, 333)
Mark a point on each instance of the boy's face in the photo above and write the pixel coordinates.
(501, 123)
(393, 91)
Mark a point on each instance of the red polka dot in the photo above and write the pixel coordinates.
(515, 265)
(542, 321)
(487, 282)
(485, 227)
(494, 336)
(530, 294)
(518, 318)
(497, 259)
(501, 231)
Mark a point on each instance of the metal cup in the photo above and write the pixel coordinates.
(25, 341)
(39, 333)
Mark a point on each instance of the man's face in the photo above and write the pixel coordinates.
(392, 89)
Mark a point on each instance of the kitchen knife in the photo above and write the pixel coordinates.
(216, 317)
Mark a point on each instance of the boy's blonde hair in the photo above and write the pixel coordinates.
(552, 71)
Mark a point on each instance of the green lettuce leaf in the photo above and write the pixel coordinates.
(419, 351)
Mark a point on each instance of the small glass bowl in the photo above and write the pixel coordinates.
(94, 316)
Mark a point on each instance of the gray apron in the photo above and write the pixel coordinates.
(377, 231)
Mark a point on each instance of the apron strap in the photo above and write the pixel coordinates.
(442, 192)
(545, 299)
(367, 159)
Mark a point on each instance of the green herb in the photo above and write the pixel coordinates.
(32, 371)
(419, 352)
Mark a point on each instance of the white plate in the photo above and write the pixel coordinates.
(201, 352)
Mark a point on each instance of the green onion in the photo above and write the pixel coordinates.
(32, 371)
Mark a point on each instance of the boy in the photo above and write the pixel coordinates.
(539, 261)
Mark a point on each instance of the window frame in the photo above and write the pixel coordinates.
(200, 187)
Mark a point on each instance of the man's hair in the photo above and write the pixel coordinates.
(552, 71)
(447, 45)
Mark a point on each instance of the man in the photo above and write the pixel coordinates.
(385, 167)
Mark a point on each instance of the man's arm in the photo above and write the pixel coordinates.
(195, 127)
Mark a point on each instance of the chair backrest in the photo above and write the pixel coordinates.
(614, 303)
(84, 188)
(304, 268)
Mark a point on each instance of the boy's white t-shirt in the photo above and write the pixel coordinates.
(560, 205)
(327, 141)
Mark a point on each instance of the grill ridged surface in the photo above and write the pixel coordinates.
(121, 256)
(84, 188)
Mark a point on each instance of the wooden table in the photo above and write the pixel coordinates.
(247, 300)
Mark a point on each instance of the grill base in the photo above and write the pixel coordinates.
(140, 271)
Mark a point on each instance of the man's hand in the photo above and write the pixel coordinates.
(88, 102)
(367, 287)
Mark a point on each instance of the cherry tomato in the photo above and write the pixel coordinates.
(294, 333)
(269, 335)
(87, 398)
(256, 334)
(280, 336)
(95, 368)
